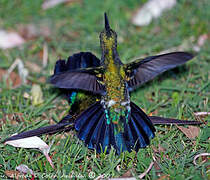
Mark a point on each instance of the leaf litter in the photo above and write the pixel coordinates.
(33, 142)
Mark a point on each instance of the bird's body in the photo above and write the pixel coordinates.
(116, 101)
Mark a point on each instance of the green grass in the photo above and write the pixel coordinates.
(75, 27)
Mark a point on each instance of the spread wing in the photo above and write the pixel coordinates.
(78, 80)
(77, 61)
(80, 71)
(143, 70)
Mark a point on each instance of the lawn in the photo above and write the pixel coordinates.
(73, 27)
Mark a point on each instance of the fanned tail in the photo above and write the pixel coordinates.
(97, 134)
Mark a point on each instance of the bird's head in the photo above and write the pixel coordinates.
(108, 37)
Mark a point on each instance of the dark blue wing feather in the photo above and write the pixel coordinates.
(76, 61)
(143, 70)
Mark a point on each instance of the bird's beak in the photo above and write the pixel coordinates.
(107, 27)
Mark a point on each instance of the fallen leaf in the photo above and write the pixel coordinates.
(13, 79)
(15, 175)
(24, 169)
(37, 95)
(151, 9)
(14, 118)
(201, 41)
(189, 44)
(32, 31)
(45, 56)
(191, 132)
(141, 176)
(201, 155)
(51, 3)
(164, 177)
(127, 174)
(10, 39)
(22, 71)
(202, 114)
(32, 142)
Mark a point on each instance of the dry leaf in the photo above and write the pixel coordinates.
(22, 71)
(151, 9)
(32, 31)
(201, 155)
(203, 114)
(14, 118)
(13, 78)
(51, 3)
(37, 95)
(15, 175)
(45, 56)
(133, 178)
(164, 177)
(20, 174)
(24, 169)
(191, 132)
(201, 41)
(32, 142)
(10, 39)
(127, 174)
(189, 44)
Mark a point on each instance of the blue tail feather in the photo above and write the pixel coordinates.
(146, 130)
(92, 127)
(100, 139)
(96, 133)
(135, 135)
(130, 139)
(86, 130)
(106, 137)
(86, 115)
(142, 138)
(145, 118)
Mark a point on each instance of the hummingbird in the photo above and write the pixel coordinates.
(114, 120)
(103, 85)
(80, 100)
